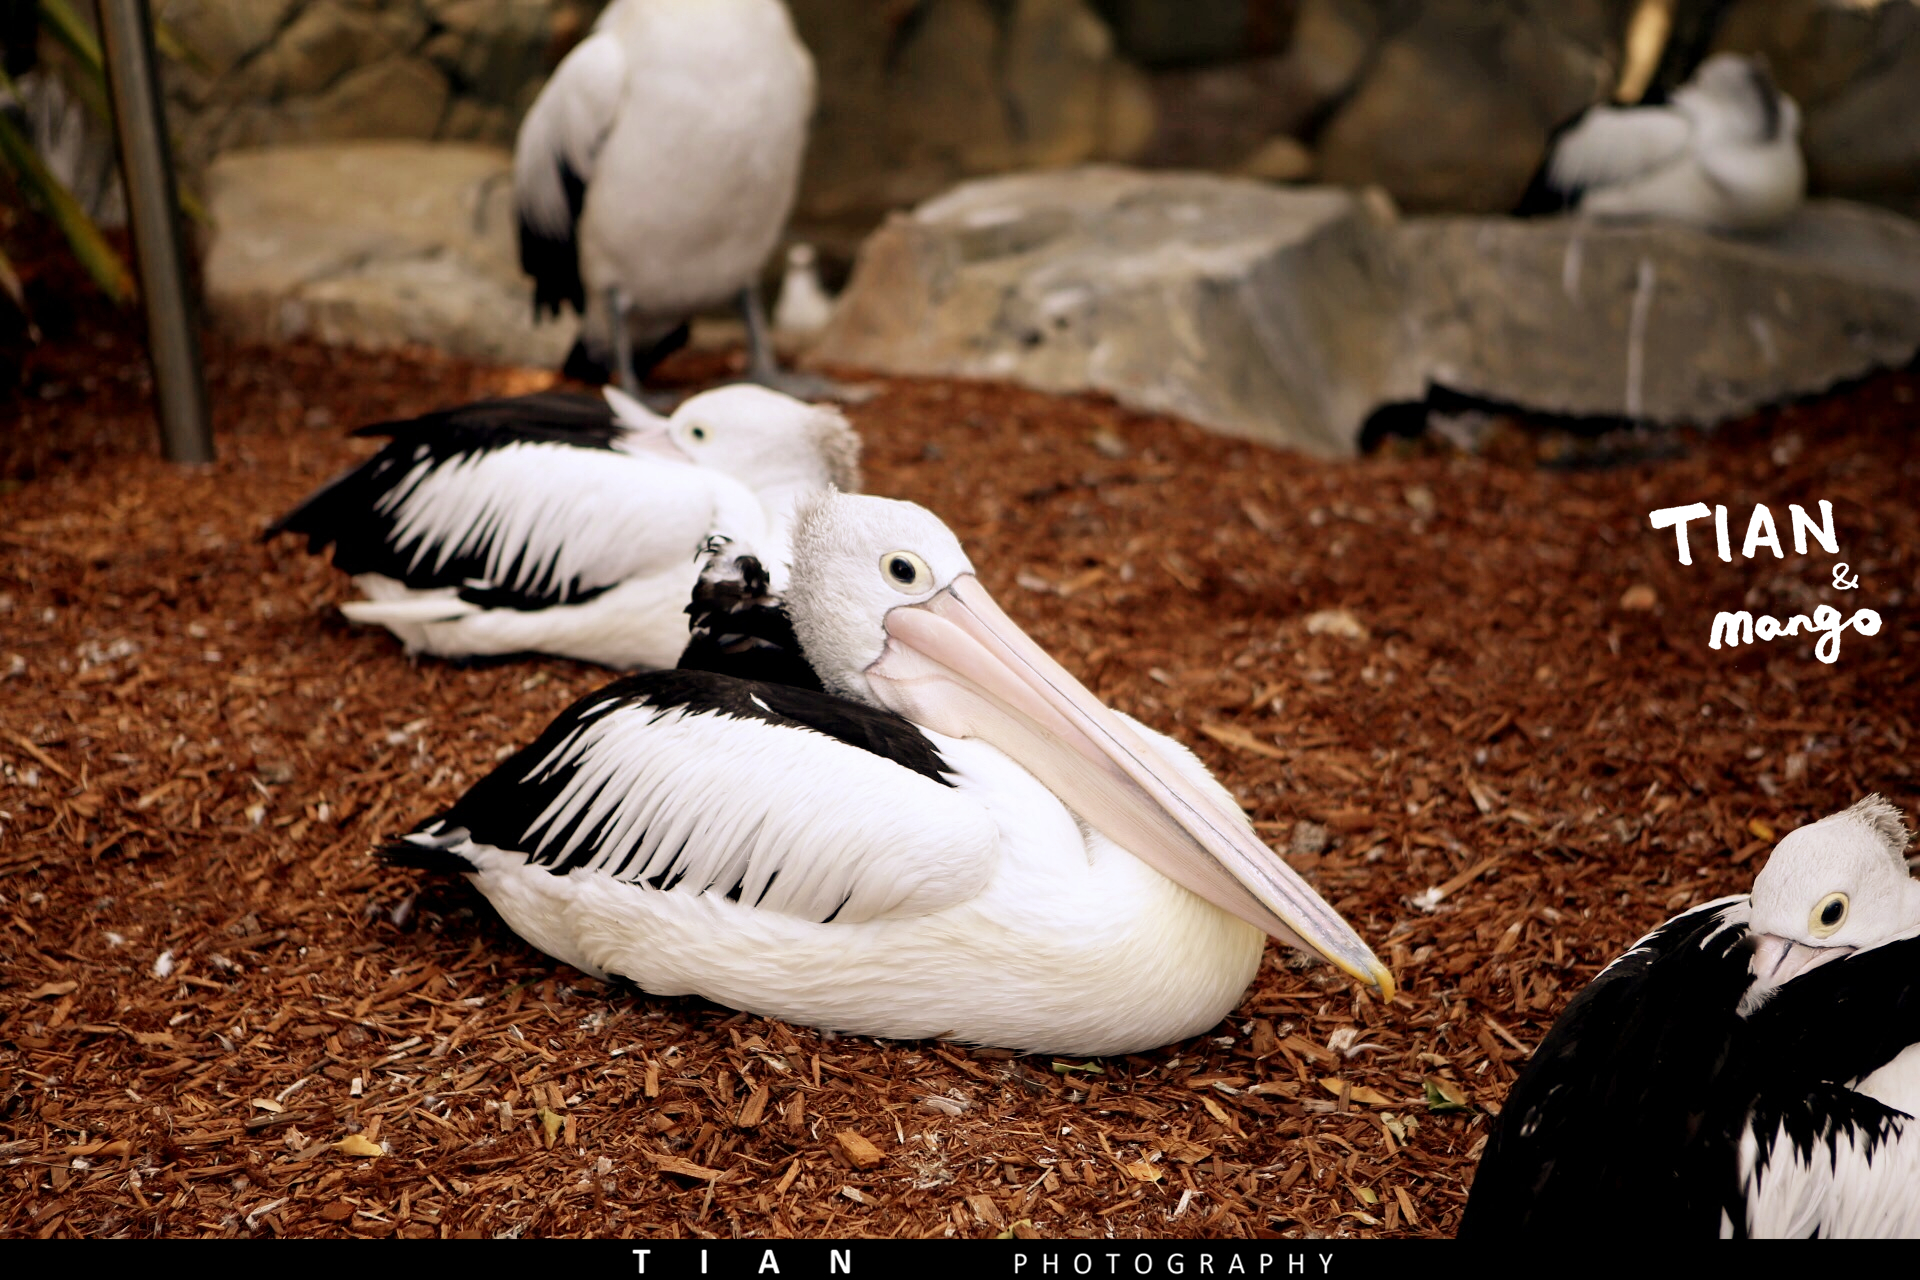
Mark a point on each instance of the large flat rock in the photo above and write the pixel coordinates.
(1290, 315)
(375, 244)
(1245, 308)
(1660, 323)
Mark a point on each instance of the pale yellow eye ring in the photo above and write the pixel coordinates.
(1827, 915)
(906, 572)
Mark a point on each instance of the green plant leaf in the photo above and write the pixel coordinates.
(89, 76)
(95, 254)
(76, 37)
(10, 285)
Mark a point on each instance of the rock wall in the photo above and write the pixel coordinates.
(1447, 104)
(274, 71)
(913, 96)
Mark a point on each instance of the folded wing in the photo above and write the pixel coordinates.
(521, 503)
(1611, 145)
(553, 161)
(781, 799)
(1598, 1115)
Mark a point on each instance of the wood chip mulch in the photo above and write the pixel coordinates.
(1471, 695)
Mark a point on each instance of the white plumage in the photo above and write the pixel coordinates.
(547, 524)
(1723, 154)
(954, 839)
(804, 307)
(655, 171)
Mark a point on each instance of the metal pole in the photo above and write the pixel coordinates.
(173, 340)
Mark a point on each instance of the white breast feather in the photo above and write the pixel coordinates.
(1842, 1192)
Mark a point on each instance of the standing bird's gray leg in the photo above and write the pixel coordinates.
(764, 368)
(622, 342)
(762, 364)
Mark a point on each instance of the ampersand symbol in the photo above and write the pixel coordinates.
(1841, 582)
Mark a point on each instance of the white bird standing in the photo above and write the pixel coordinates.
(655, 172)
(955, 839)
(1723, 154)
(1749, 1068)
(804, 307)
(567, 524)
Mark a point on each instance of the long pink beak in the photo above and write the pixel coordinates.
(958, 665)
(647, 434)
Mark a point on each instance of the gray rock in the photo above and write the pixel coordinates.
(396, 97)
(1332, 40)
(223, 32)
(1655, 322)
(1253, 311)
(1289, 316)
(1215, 116)
(1866, 141)
(1454, 110)
(1815, 48)
(374, 245)
(469, 120)
(491, 48)
(325, 40)
(1279, 159)
(1154, 33)
(915, 97)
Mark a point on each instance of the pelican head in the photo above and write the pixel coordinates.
(1831, 888)
(1735, 99)
(766, 440)
(889, 612)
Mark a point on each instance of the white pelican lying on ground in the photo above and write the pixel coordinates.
(1723, 154)
(1749, 1068)
(567, 524)
(956, 839)
(654, 174)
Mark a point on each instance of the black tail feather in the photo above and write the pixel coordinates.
(423, 857)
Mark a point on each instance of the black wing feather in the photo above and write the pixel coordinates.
(1633, 1107)
(1845, 1019)
(554, 260)
(1611, 1118)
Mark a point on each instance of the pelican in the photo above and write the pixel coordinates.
(567, 524)
(654, 174)
(1749, 1068)
(1724, 154)
(953, 839)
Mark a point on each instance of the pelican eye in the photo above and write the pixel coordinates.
(698, 433)
(905, 571)
(1828, 915)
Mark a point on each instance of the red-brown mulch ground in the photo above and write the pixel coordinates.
(1473, 696)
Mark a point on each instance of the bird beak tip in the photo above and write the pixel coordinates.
(1371, 973)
